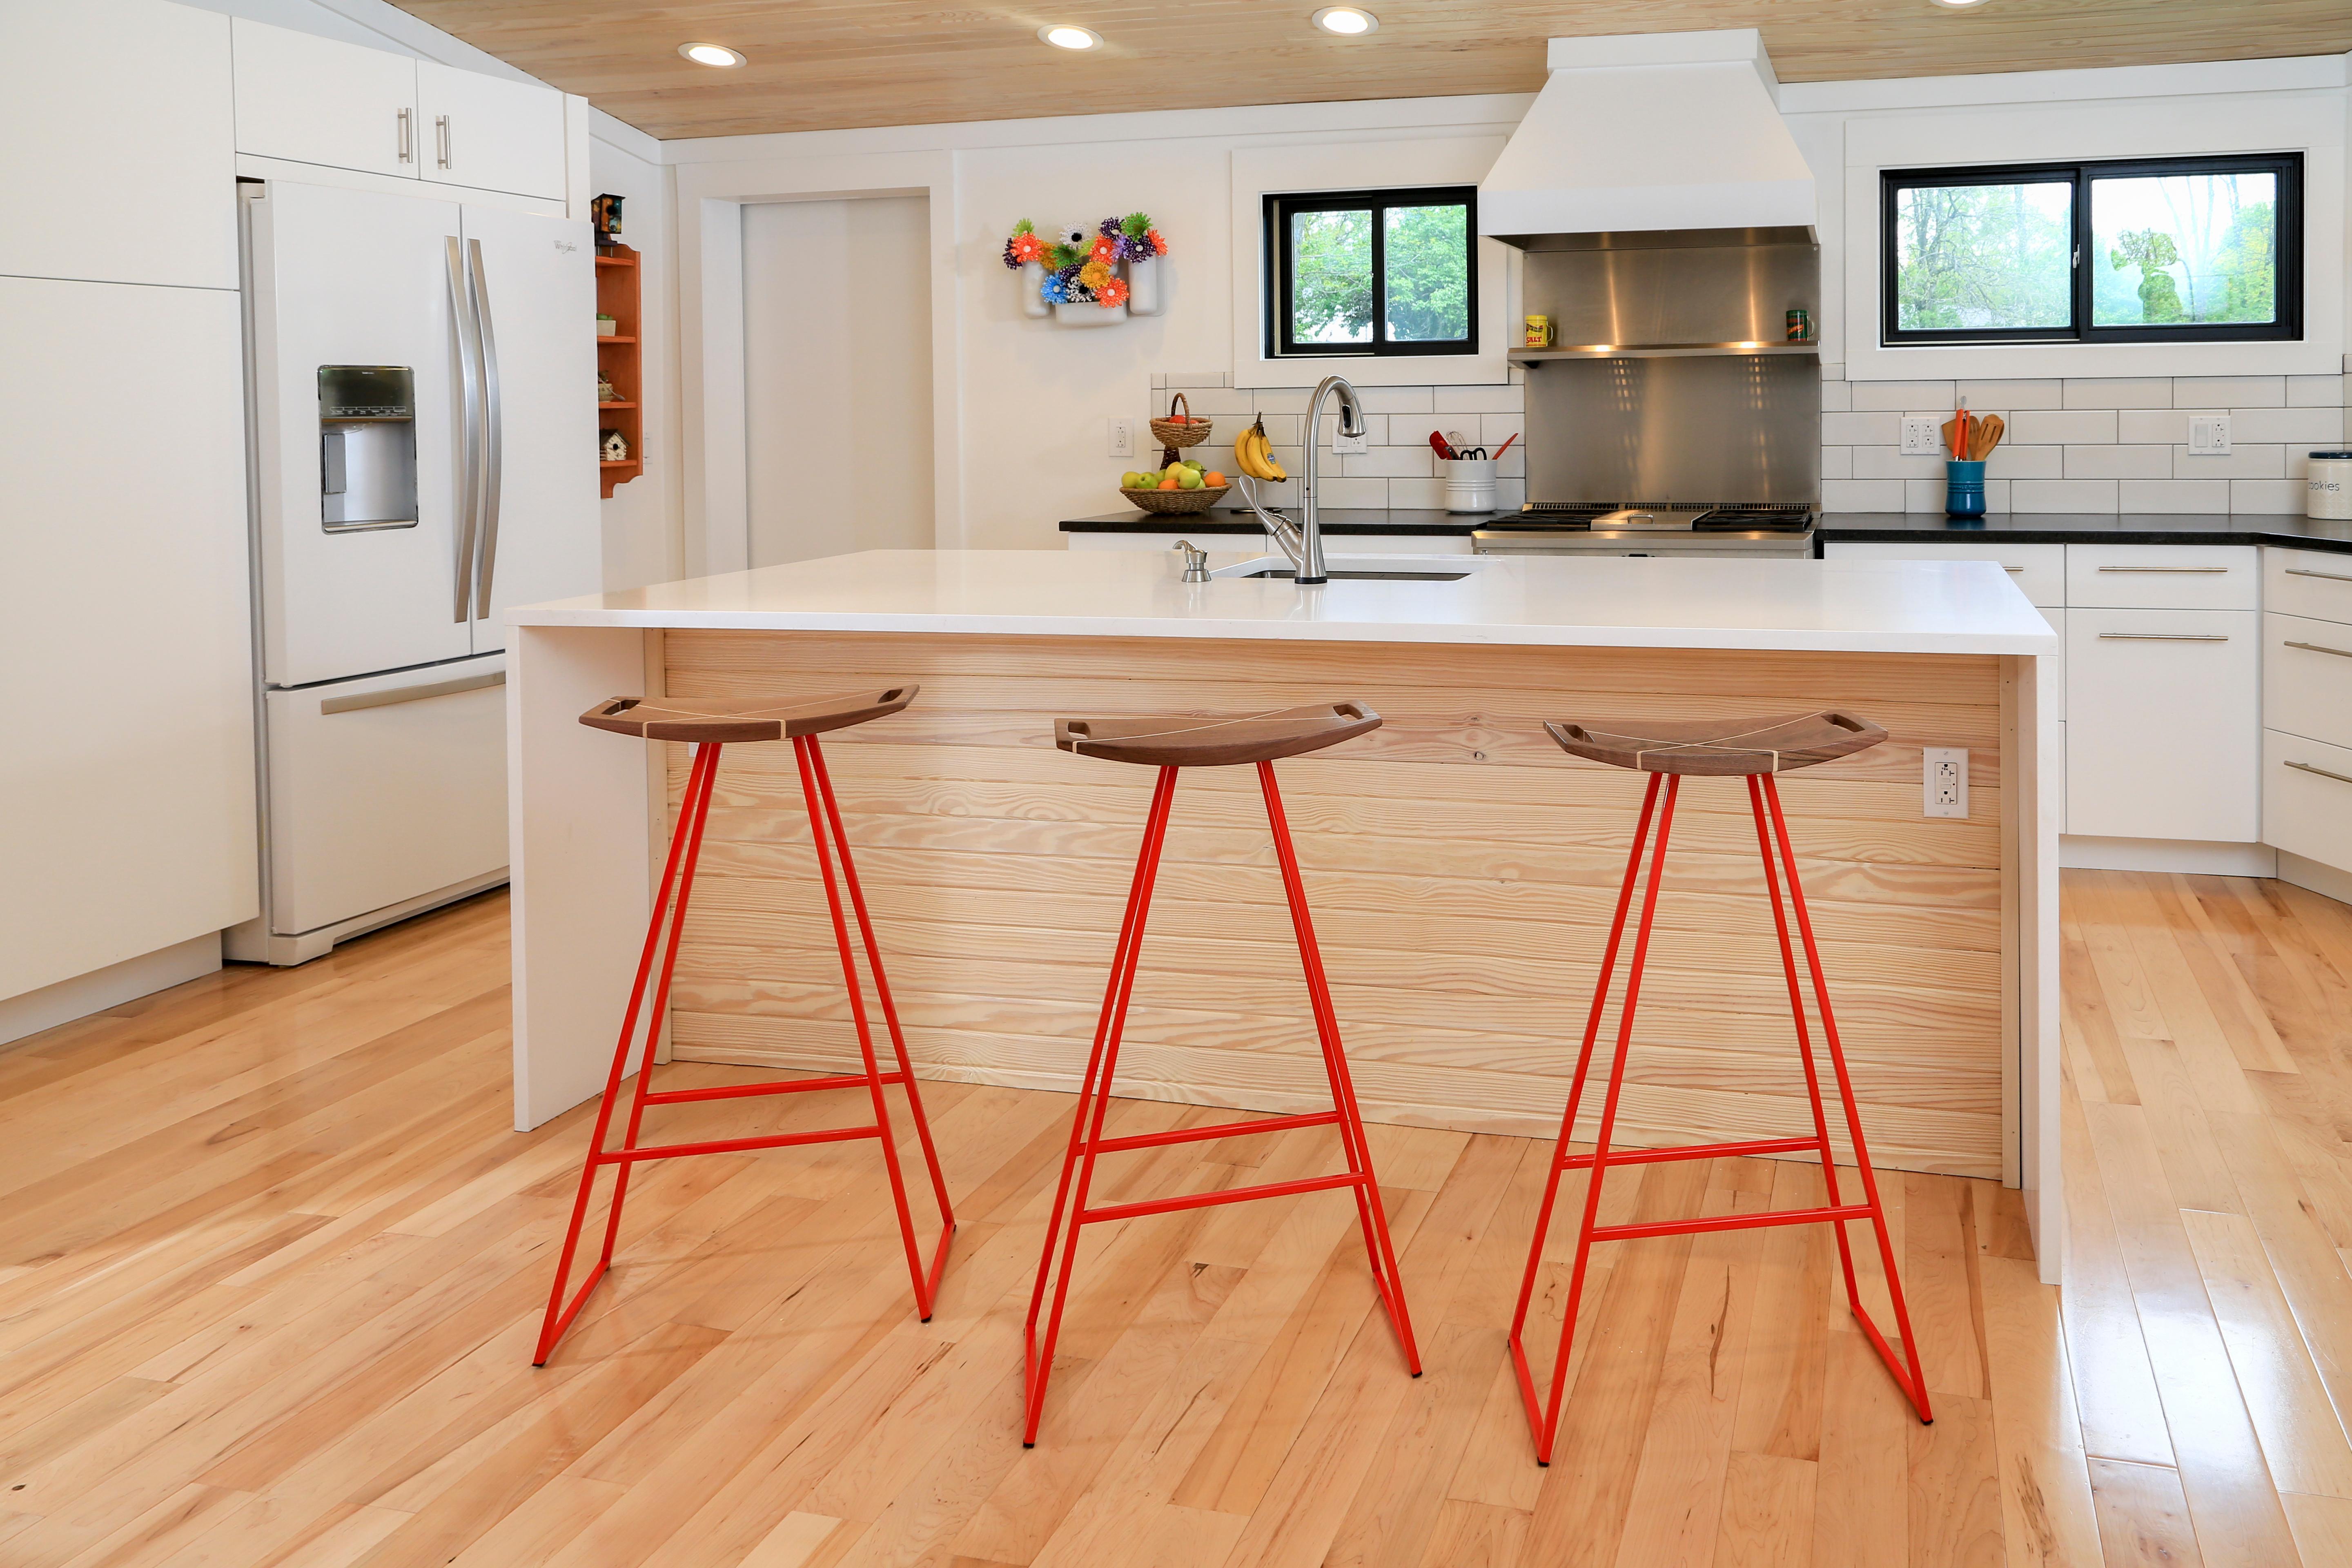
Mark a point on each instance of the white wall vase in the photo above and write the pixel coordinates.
(1143, 285)
(1086, 313)
(1032, 286)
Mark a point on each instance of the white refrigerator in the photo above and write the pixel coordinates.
(422, 382)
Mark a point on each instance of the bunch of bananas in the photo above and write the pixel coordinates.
(1254, 455)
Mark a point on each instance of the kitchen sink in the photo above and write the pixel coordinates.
(1353, 576)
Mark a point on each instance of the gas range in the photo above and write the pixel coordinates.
(1592, 528)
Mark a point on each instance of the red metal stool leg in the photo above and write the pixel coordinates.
(684, 849)
(1909, 1374)
(1085, 1124)
(1370, 1214)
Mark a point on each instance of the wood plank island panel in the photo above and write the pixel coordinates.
(1462, 870)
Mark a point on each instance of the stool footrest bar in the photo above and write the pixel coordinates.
(1730, 1222)
(1223, 1129)
(790, 1086)
(1229, 1196)
(1693, 1151)
(732, 1145)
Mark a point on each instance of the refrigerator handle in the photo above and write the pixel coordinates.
(494, 422)
(469, 398)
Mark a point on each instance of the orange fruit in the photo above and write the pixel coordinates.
(1169, 485)
(1213, 479)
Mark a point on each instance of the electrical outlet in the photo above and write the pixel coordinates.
(1342, 443)
(1922, 435)
(1946, 780)
(2209, 436)
(1122, 438)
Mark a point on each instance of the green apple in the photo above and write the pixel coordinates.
(1131, 481)
(1195, 465)
(1189, 479)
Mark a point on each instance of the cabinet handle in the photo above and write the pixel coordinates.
(2323, 648)
(407, 140)
(2164, 637)
(441, 136)
(2204, 570)
(2307, 572)
(2322, 772)
(2013, 568)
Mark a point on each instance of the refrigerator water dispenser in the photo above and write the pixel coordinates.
(367, 447)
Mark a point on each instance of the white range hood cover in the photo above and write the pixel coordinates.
(1650, 131)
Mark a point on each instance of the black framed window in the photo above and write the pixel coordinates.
(2137, 251)
(1372, 272)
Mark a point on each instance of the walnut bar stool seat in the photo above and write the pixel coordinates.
(1171, 744)
(1755, 748)
(709, 725)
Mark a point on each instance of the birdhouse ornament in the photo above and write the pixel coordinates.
(616, 447)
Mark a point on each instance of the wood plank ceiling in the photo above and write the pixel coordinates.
(829, 64)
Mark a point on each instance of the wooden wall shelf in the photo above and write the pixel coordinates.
(619, 296)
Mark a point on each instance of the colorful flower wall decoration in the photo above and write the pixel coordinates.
(1079, 267)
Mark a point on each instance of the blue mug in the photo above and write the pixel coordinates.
(1964, 488)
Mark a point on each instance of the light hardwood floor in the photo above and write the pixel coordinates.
(273, 1263)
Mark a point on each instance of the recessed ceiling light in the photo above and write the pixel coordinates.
(711, 54)
(1346, 20)
(1070, 37)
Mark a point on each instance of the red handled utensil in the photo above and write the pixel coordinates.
(1437, 444)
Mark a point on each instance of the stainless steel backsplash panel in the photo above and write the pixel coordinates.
(1708, 428)
(1678, 288)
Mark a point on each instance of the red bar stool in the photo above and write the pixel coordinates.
(1753, 749)
(710, 724)
(1171, 744)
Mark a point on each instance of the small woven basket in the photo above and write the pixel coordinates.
(1173, 503)
(1178, 432)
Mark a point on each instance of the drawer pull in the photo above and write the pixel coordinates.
(2204, 570)
(2322, 772)
(2164, 637)
(412, 693)
(2013, 568)
(2307, 572)
(2323, 648)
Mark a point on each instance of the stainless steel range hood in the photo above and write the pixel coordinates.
(1642, 131)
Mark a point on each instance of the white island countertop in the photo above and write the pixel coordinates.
(1848, 606)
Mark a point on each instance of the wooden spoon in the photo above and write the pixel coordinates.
(1989, 431)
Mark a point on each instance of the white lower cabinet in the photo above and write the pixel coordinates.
(2162, 727)
(2307, 798)
(2307, 678)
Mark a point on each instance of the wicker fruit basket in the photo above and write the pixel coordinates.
(1178, 431)
(1175, 503)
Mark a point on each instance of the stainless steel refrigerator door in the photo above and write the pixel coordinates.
(534, 283)
(352, 277)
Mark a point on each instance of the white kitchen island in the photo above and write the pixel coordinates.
(1462, 868)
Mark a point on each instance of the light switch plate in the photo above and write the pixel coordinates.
(1944, 780)
(1122, 438)
(2209, 435)
(1922, 435)
(1344, 443)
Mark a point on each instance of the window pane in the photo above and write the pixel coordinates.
(1331, 276)
(1984, 256)
(1426, 269)
(2184, 248)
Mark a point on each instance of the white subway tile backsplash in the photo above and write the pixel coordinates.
(2063, 495)
(2067, 427)
(1481, 399)
(2119, 392)
(2119, 462)
(1899, 396)
(1494, 429)
(1158, 380)
(1837, 397)
(1837, 462)
(1861, 495)
(1426, 493)
(1339, 491)
(2015, 462)
(2229, 392)
(2175, 495)
(1392, 399)
(1389, 463)
(1282, 399)
(1928, 495)
(1510, 494)
(2268, 495)
(2240, 462)
(1836, 372)
(2315, 391)
(2164, 427)
(1218, 400)
(1376, 430)
(1861, 429)
(2001, 397)
(1889, 463)
(2307, 426)
(1185, 380)
(1996, 495)
(1289, 430)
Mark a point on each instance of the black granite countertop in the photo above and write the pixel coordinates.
(2018, 528)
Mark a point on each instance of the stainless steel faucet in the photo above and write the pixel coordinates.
(1303, 540)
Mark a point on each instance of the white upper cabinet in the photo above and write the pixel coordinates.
(315, 101)
(489, 133)
(118, 111)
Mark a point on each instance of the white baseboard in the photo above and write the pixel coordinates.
(2326, 880)
(2193, 857)
(109, 987)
